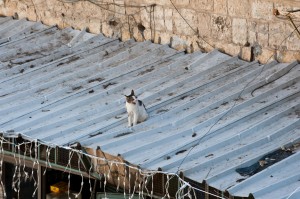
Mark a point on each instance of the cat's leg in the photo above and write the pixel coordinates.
(130, 120)
(135, 119)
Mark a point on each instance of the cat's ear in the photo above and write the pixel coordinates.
(132, 93)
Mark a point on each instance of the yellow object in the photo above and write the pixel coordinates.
(59, 187)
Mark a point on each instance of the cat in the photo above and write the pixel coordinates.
(136, 110)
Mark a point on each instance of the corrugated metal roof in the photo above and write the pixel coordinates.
(67, 86)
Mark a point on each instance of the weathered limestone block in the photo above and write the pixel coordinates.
(277, 32)
(252, 32)
(239, 31)
(164, 38)
(145, 18)
(204, 24)
(148, 34)
(106, 29)
(178, 43)
(181, 3)
(137, 34)
(220, 7)
(267, 55)
(49, 20)
(262, 9)
(168, 19)
(159, 22)
(221, 28)
(180, 25)
(246, 53)
(125, 34)
(94, 26)
(202, 4)
(263, 34)
(204, 46)
(228, 48)
(288, 56)
(285, 6)
(239, 8)
(293, 41)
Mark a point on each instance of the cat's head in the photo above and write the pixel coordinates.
(131, 99)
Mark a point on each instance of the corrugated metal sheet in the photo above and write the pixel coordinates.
(66, 86)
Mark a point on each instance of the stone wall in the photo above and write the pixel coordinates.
(253, 29)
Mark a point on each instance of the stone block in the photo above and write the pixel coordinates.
(239, 31)
(246, 53)
(145, 18)
(262, 9)
(221, 28)
(107, 30)
(202, 5)
(181, 26)
(164, 38)
(168, 19)
(252, 32)
(204, 24)
(125, 35)
(181, 3)
(220, 7)
(263, 34)
(178, 43)
(239, 8)
(288, 56)
(293, 41)
(159, 22)
(277, 32)
(94, 26)
(229, 48)
(205, 46)
(138, 35)
(267, 55)
(148, 34)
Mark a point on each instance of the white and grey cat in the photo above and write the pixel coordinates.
(136, 109)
